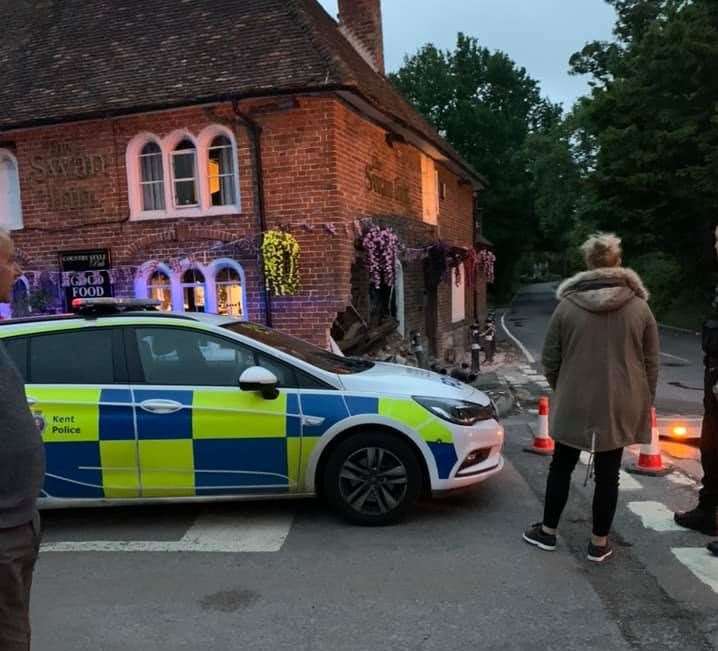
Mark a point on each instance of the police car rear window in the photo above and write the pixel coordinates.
(75, 357)
(300, 349)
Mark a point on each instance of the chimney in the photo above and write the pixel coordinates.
(360, 22)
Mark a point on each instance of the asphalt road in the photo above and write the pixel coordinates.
(680, 383)
(456, 575)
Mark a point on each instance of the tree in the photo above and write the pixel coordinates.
(653, 118)
(486, 106)
(556, 185)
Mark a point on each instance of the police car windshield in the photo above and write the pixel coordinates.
(300, 349)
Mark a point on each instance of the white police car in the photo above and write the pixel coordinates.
(142, 406)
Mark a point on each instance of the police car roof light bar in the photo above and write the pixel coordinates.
(108, 305)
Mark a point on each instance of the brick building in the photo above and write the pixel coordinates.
(146, 146)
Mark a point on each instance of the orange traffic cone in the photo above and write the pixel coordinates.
(650, 461)
(542, 443)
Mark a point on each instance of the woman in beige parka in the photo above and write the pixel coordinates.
(601, 358)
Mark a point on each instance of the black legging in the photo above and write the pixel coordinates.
(605, 495)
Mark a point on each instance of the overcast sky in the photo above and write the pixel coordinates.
(539, 35)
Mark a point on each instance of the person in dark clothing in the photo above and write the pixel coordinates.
(22, 470)
(704, 517)
(601, 358)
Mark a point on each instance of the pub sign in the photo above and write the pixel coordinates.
(86, 274)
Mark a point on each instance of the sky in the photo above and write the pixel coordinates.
(539, 35)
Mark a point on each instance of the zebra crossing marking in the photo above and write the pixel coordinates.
(655, 515)
(212, 533)
(701, 562)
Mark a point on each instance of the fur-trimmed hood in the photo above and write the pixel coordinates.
(603, 290)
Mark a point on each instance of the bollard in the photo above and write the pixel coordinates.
(418, 349)
(542, 443)
(476, 348)
(650, 461)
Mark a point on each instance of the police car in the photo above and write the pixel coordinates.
(137, 405)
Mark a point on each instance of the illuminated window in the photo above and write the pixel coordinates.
(429, 190)
(220, 172)
(10, 206)
(152, 177)
(184, 171)
(193, 291)
(229, 292)
(160, 289)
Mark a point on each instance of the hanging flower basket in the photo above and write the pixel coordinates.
(486, 263)
(280, 252)
(382, 250)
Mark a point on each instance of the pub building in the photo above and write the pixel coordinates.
(146, 148)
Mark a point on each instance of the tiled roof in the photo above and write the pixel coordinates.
(66, 60)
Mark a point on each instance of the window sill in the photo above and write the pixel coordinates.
(177, 213)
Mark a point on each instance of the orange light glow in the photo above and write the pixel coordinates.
(679, 430)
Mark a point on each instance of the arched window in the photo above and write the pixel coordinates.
(229, 292)
(221, 172)
(184, 173)
(193, 290)
(152, 178)
(10, 206)
(160, 288)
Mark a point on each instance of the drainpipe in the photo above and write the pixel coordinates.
(255, 136)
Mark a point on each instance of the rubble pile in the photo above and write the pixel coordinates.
(397, 350)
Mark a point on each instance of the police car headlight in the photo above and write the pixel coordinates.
(458, 412)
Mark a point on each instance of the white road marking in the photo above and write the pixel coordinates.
(628, 482)
(225, 533)
(701, 562)
(680, 359)
(655, 515)
(682, 480)
(526, 353)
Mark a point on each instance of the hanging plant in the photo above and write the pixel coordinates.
(382, 250)
(280, 252)
(471, 265)
(487, 262)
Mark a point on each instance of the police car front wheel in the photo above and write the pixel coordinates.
(372, 479)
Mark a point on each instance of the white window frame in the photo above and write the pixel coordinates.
(203, 284)
(202, 142)
(214, 268)
(205, 138)
(17, 220)
(195, 178)
(142, 183)
(209, 271)
(134, 176)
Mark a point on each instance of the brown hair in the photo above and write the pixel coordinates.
(602, 250)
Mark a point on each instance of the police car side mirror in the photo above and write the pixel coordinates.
(259, 379)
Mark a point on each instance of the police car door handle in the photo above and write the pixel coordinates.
(160, 406)
(313, 421)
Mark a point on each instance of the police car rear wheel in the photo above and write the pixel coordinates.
(372, 479)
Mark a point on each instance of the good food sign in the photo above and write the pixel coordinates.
(87, 274)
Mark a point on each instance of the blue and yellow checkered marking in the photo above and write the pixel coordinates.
(219, 442)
